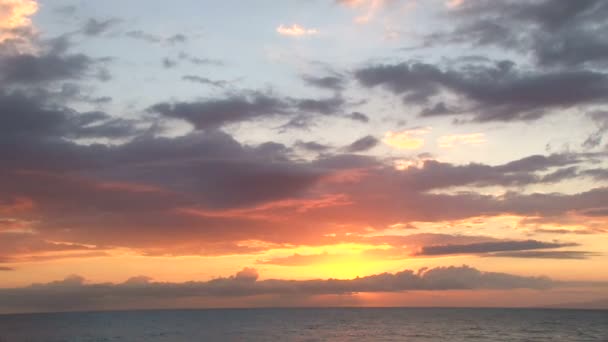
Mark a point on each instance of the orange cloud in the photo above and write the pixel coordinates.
(15, 14)
(296, 30)
(450, 141)
(405, 140)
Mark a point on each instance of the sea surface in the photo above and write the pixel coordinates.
(330, 324)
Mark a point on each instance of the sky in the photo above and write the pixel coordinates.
(158, 154)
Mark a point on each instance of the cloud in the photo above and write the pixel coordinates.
(74, 293)
(487, 247)
(234, 108)
(450, 141)
(358, 116)
(4, 268)
(295, 30)
(206, 81)
(94, 27)
(334, 82)
(556, 33)
(363, 144)
(498, 92)
(567, 255)
(15, 15)
(405, 140)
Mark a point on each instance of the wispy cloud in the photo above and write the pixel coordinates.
(449, 141)
(296, 30)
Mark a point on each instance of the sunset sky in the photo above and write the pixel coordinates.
(230, 153)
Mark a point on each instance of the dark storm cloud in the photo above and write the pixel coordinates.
(557, 33)
(74, 294)
(498, 92)
(363, 144)
(487, 247)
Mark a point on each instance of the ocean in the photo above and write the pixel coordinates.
(326, 324)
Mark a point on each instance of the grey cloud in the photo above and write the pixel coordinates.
(27, 68)
(5, 268)
(496, 93)
(562, 33)
(74, 294)
(601, 120)
(94, 27)
(358, 116)
(141, 35)
(487, 247)
(335, 82)
(199, 60)
(169, 63)
(153, 38)
(312, 146)
(246, 106)
(206, 81)
(433, 174)
(177, 38)
(567, 255)
(217, 112)
(363, 144)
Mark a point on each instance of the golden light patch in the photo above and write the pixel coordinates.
(405, 140)
(15, 14)
(450, 141)
(295, 30)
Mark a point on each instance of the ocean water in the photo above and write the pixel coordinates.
(331, 324)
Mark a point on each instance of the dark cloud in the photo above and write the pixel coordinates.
(363, 144)
(312, 146)
(334, 82)
(26, 68)
(434, 174)
(487, 247)
(327, 106)
(4, 268)
(497, 92)
(74, 294)
(246, 106)
(556, 33)
(36, 117)
(358, 116)
(217, 112)
(568, 255)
